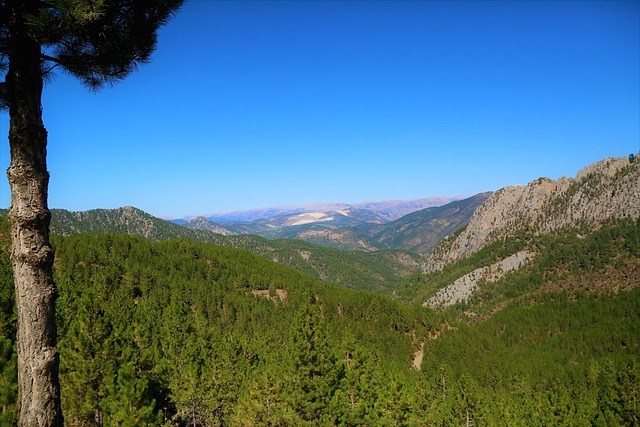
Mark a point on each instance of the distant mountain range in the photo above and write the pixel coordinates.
(368, 226)
(389, 209)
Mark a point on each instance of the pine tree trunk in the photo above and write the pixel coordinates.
(29, 216)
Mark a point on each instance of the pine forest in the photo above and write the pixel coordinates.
(185, 333)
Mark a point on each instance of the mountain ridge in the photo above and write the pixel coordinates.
(363, 229)
(382, 269)
(422, 230)
(359, 270)
(394, 209)
(573, 235)
(601, 191)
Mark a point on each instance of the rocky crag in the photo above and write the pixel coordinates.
(463, 287)
(605, 190)
(203, 223)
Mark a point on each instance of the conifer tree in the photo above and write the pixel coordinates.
(393, 406)
(354, 400)
(88, 360)
(99, 42)
(127, 402)
(263, 403)
(315, 373)
(104, 369)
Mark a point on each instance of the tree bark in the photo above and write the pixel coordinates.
(29, 216)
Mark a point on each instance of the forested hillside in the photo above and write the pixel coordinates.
(187, 333)
(199, 334)
(379, 271)
(421, 231)
(604, 260)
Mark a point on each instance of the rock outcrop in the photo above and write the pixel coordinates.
(463, 287)
(600, 192)
(202, 223)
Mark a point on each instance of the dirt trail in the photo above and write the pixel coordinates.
(417, 357)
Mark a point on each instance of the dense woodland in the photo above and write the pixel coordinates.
(379, 270)
(174, 333)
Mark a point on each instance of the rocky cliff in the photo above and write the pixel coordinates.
(203, 223)
(602, 191)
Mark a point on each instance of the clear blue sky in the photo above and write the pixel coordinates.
(250, 104)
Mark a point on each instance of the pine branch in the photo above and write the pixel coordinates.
(50, 58)
(3, 96)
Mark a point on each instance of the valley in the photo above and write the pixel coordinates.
(368, 226)
(523, 305)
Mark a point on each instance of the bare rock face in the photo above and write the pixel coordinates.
(463, 287)
(202, 223)
(602, 191)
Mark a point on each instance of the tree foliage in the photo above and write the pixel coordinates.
(99, 42)
(170, 333)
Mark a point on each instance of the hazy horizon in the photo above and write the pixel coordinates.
(266, 103)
